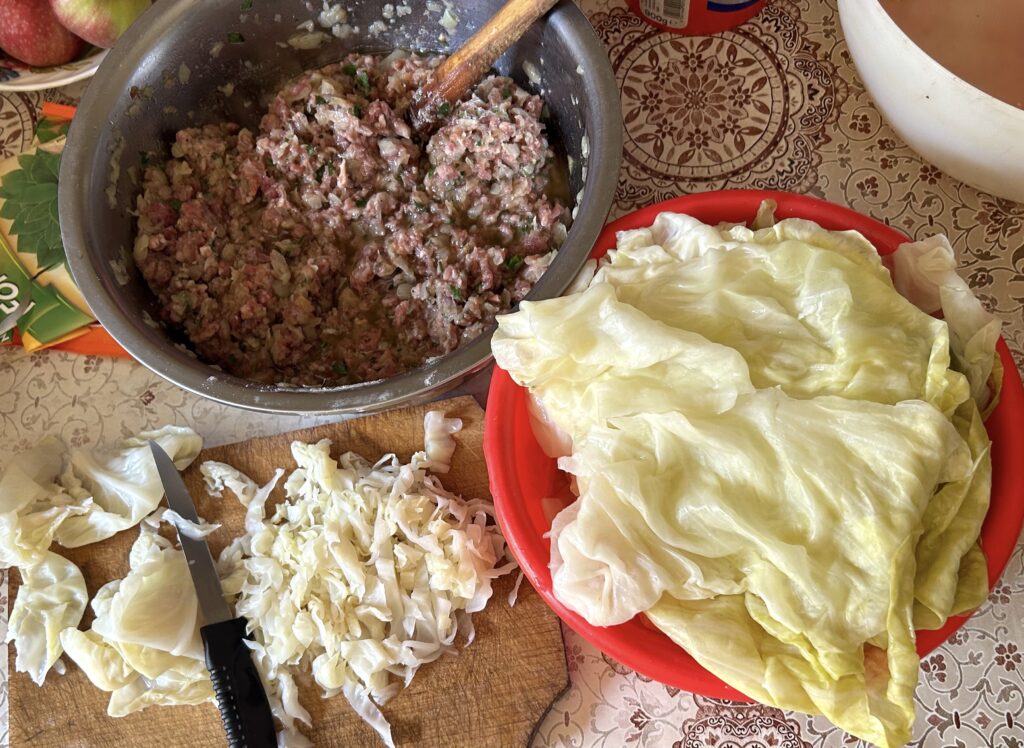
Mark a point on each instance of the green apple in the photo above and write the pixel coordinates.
(99, 22)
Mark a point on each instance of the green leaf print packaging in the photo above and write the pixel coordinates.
(38, 297)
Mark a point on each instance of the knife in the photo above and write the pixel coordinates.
(242, 700)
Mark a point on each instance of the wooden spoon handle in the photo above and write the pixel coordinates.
(464, 68)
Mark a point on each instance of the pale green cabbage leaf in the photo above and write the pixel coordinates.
(812, 311)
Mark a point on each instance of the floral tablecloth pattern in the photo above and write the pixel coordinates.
(773, 104)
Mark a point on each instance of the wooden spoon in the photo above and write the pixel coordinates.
(465, 67)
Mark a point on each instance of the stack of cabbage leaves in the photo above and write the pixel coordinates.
(779, 453)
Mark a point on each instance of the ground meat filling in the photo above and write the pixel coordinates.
(334, 245)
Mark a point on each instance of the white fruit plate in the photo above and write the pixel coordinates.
(17, 76)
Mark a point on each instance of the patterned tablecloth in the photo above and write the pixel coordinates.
(774, 104)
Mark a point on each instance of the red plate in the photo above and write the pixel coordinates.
(521, 475)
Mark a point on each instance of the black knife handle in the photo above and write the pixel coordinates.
(243, 703)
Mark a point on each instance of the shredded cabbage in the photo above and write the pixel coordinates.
(438, 442)
(779, 459)
(195, 530)
(365, 572)
(217, 476)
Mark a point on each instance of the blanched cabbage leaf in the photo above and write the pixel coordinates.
(188, 685)
(812, 311)
(25, 536)
(778, 458)
(362, 574)
(614, 348)
(810, 564)
(925, 273)
(159, 580)
(75, 498)
(26, 478)
(952, 574)
(725, 525)
(51, 598)
(31, 505)
(100, 662)
(83, 496)
(144, 645)
(122, 484)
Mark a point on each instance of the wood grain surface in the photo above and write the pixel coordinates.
(492, 693)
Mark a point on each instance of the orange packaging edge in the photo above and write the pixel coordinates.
(90, 341)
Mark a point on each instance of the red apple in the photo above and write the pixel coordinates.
(30, 32)
(99, 22)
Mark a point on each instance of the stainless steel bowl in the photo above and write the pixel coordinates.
(170, 70)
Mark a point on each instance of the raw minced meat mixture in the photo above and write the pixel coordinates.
(335, 246)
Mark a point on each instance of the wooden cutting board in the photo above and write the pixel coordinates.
(492, 694)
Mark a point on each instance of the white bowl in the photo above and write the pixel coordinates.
(965, 132)
(17, 76)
